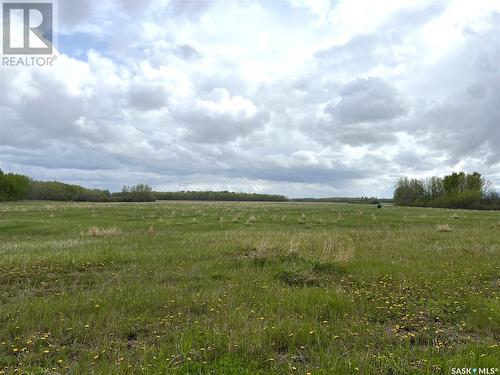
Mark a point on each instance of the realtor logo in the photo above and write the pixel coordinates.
(27, 28)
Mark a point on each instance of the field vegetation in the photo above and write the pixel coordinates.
(247, 288)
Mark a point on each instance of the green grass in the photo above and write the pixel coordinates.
(247, 288)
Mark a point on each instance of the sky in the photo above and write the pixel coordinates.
(303, 98)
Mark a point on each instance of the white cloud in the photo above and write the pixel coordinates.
(220, 117)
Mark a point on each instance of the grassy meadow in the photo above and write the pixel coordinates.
(247, 288)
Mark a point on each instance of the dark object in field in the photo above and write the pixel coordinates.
(379, 206)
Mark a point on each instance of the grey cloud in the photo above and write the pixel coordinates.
(356, 136)
(60, 156)
(188, 9)
(466, 122)
(133, 8)
(51, 114)
(204, 128)
(73, 14)
(147, 96)
(164, 53)
(187, 52)
(367, 100)
(338, 176)
(411, 160)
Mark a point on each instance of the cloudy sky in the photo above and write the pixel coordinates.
(302, 98)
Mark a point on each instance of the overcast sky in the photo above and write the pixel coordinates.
(302, 98)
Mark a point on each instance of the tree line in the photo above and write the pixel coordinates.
(456, 190)
(218, 196)
(359, 200)
(18, 187)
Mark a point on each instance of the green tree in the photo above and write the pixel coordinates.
(13, 186)
(456, 190)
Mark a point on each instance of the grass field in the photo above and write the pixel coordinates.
(247, 288)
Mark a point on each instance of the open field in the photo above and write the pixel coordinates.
(247, 288)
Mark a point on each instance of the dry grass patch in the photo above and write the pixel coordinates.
(302, 219)
(267, 250)
(263, 252)
(251, 219)
(444, 228)
(340, 252)
(344, 256)
(102, 232)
